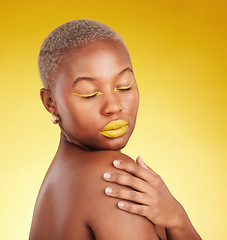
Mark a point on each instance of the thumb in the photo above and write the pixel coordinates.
(141, 163)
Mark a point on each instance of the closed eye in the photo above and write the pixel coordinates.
(87, 95)
(124, 88)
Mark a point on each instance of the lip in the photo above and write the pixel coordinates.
(115, 129)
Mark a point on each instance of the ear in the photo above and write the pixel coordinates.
(48, 101)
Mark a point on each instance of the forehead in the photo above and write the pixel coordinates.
(99, 58)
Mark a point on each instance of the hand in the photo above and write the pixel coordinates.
(149, 195)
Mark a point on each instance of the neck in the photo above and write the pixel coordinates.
(65, 142)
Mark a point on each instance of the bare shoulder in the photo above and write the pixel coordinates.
(72, 203)
(106, 220)
(58, 212)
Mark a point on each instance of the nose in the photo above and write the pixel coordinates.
(111, 105)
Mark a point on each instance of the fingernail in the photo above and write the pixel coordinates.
(141, 158)
(116, 163)
(107, 175)
(108, 190)
(142, 161)
(120, 205)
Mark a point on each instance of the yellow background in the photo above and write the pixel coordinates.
(179, 53)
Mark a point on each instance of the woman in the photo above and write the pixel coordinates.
(91, 92)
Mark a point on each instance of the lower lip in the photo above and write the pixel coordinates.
(115, 132)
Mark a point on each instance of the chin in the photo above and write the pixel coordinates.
(105, 143)
(115, 144)
(115, 147)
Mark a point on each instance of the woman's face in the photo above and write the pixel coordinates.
(96, 87)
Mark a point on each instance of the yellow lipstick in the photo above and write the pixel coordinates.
(115, 129)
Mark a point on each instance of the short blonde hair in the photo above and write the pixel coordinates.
(65, 38)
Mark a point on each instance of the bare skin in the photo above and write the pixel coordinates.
(152, 199)
(95, 87)
(72, 203)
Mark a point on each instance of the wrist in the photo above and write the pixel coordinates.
(182, 219)
(182, 227)
(179, 219)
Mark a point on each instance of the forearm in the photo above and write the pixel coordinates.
(184, 231)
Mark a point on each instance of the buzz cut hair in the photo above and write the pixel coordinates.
(65, 38)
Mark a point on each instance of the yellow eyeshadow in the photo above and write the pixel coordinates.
(124, 88)
(87, 95)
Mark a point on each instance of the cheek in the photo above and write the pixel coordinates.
(132, 102)
(78, 113)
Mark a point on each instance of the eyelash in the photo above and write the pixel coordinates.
(122, 89)
(91, 96)
(117, 89)
(99, 93)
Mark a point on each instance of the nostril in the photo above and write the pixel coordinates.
(113, 108)
(111, 105)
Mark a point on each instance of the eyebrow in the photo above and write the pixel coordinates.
(83, 78)
(93, 79)
(125, 70)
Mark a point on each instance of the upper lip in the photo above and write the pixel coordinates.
(113, 125)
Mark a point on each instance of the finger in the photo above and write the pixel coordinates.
(127, 195)
(140, 172)
(134, 208)
(127, 180)
(141, 163)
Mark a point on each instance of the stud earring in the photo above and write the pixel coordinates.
(55, 119)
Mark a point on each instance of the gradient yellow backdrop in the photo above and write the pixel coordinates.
(179, 53)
